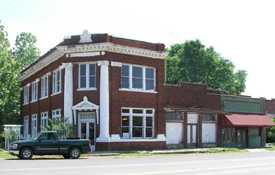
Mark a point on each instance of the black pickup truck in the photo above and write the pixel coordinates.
(48, 143)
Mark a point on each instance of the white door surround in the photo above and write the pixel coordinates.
(85, 105)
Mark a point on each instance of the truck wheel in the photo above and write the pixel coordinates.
(74, 153)
(66, 156)
(26, 153)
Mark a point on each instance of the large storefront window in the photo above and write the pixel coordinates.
(137, 123)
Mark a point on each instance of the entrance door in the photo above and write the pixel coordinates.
(241, 137)
(192, 134)
(87, 131)
(86, 127)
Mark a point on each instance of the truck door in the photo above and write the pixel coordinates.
(48, 144)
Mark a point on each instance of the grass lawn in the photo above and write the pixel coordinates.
(5, 155)
(170, 152)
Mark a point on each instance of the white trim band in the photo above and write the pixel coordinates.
(83, 48)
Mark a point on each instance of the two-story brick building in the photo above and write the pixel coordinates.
(113, 91)
(110, 88)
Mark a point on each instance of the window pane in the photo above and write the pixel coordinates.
(150, 85)
(82, 82)
(92, 82)
(137, 121)
(137, 72)
(125, 121)
(149, 132)
(125, 71)
(149, 74)
(208, 118)
(137, 132)
(137, 111)
(149, 111)
(137, 83)
(149, 121)
(125, 82)
(125, 110)
(83, 70)
(92, 69)
(125, 130)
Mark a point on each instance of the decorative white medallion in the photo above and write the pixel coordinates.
(85, 37)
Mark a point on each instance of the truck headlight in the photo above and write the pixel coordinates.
(14, 146)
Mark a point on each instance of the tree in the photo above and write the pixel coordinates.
(9, 84)
(25, 51)
(193, 62)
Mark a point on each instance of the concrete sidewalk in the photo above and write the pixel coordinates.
(168, 151)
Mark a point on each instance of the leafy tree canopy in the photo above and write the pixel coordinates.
(25, 51)
(193, 62)
(12, 61)
(9, 84)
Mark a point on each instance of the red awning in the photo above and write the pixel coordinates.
(249, 120)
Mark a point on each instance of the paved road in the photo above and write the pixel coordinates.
(195, 164)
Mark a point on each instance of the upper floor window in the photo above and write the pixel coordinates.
(87, 76)
(34, 91)
(44, 120)
(56, 82)
(137, 77)
(56, 114)
(44, 86)
(26, 92)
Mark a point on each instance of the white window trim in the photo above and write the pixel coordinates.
(43, 116)
(131, 89)
(43, 80)
(34, 83)
(143, 115)
(54, 82)
(87, 88)
(26, 87)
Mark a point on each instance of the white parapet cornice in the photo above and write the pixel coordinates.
(85, 50)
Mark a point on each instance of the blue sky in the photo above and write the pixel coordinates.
(241, 30)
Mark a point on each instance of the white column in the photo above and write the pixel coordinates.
(68, 92)
(104, 101)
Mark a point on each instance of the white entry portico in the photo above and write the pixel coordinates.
(86, 119)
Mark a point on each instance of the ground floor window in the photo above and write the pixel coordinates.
(56, 114)
(26, 126)
(34, 125)
(44, 120)
(137, 122)
(209, 128)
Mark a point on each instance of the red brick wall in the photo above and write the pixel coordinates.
(191, 95)
(118, 98)
(126, 146)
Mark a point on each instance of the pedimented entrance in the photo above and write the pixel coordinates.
(86, 118)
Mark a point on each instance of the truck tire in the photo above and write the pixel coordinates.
(26, 153)
(66, 156)
(74, 153)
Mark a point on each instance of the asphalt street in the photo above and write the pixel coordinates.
(195, 164)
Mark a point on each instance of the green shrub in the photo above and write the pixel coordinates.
(63, 129)
(270, 135)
